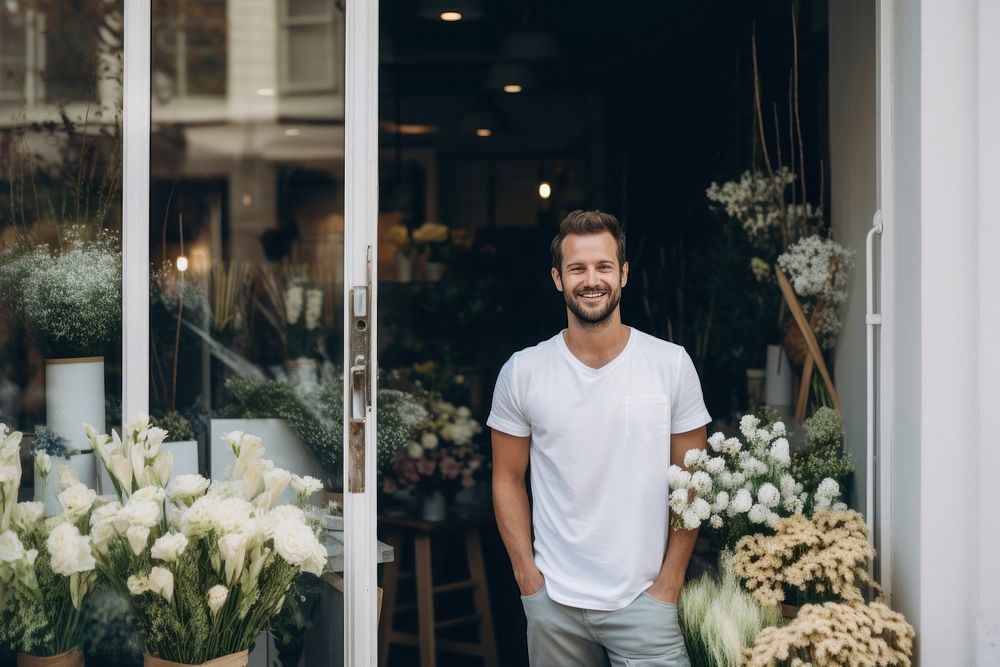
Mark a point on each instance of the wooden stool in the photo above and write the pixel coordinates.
(421, 531)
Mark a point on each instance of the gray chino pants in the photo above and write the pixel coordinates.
(644, 634)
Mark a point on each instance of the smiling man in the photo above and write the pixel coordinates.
(600, 410)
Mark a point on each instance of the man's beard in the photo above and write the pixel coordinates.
(593, 318)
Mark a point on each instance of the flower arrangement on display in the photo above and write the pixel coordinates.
(444, 458)
(823, 559)
(47, 567)
(791, 236)
(742, 487)
(294, 307)
(70, 293)
(207, 564)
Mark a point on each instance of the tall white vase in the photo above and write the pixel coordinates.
(778, 383)
(74, 395)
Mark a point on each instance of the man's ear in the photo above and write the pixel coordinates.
(557, 279)
(624, 274)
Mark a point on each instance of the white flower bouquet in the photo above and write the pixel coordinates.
(739, 487)
(817, 269)
(293, 304)
(208, 565)
(47, 567)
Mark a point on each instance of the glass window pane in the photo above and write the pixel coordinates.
(303, 8)
(12, 52)
(310, 56)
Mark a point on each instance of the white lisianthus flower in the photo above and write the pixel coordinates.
(69, 551)
(757, 514)
(429, 441)
(306, 485)
(275, 483)
(121, 468)
(715, 441)
(715, 465)
(76, 500)
(217, 596)
(43, 464)
(715, 521)
(188, 486)
(169, 547)
(296, 543)
(26, 513)
(137, 513)
(281, 514)
(137, 538)
(138, 584)
(67, 477)
(768, 495)
(11, 549)
(161, 582)
(701, 481)
(154, 438)
(414, 449)
(163, 464)
(137, 424)
(741, 502)
(780, 453)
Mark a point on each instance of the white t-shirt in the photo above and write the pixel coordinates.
(600, 449)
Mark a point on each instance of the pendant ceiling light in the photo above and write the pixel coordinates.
(485, 120)
(529, 45)
(451, 11)
(510, 78)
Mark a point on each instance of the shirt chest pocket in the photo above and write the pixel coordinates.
(647, 416)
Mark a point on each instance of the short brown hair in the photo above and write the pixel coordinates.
(588, 222)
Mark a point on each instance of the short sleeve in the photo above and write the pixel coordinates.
(506, 414)
(687, 406)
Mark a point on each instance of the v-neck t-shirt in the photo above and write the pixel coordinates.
(599, 454)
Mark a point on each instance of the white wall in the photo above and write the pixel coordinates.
(852, 203)
(944, 320)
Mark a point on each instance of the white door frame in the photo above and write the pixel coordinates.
(360, 253)
(360, 233)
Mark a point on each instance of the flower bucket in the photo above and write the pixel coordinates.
(74, 395)
(70, 658)
(232, 660)
(83, 464)
(433, 506)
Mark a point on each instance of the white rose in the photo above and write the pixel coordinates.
(279, 515)
(137, 513)
(169, 547)
(137, 538)
(316, 562)
(429, 441)
(43, 464)
(105, 513)
(414, 449)
(161, 582)
(11, 549)
(306, 485)
(69, 550)
(138, 584)
(217, 596)
(76, 500)
(188, 486)
(295, 542)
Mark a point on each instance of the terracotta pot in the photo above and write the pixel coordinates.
(70, 658)
(232, 660)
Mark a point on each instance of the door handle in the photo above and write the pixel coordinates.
(359, 383)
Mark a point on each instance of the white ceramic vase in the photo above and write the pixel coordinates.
(404, 267)
(778, 383)
(74, 396)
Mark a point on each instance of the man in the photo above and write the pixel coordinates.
(600, 410)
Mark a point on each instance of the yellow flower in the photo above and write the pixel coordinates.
(398, 235)
(430, 232)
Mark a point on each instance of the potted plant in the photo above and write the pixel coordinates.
(71, 295)
(47, 567)
(207, 565)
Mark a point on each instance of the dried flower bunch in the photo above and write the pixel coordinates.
(836, 633)
(824, 557)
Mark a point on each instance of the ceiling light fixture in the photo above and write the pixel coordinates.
(451, 11)
(544, 190)
(511, 78)
(513, 88)
(182, 263)
(484, 132)
(450, 17)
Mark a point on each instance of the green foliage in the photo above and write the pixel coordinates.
(719, 619)
(111, 639)
(823, 455)
(177, 426)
